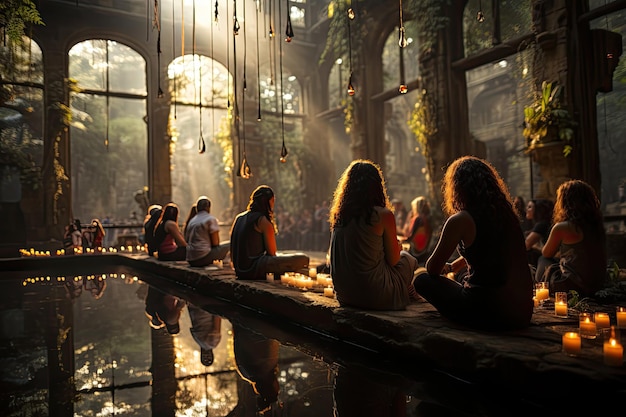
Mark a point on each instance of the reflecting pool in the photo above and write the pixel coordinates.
(114, 344)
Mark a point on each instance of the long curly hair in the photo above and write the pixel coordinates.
(360, 188)
(260, 202)
(577, 202)
(473, 184)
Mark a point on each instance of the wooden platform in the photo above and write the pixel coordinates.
(528, 361)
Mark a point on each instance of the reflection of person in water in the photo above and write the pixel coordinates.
(163, 310)
(206, 329)
(257, 363)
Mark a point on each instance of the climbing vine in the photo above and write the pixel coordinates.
(423, 122)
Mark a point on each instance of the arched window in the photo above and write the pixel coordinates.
(109, 136)
(200, 128)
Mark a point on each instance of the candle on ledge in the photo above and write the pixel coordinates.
(542, 291)
(588, 328)
(602, 321)
(571, 343)
(329, 292)
(560, 304)
(621, 317)
(560, 309)
(313, 272)
(613, 352)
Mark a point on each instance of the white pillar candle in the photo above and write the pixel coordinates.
(571, 343)
(313, 272)
(328, 292)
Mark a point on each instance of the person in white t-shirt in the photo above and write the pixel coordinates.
(202, 234)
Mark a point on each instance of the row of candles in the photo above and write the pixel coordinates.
(590, 324)
(80, 251)
(304, 282)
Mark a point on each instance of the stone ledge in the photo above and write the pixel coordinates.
(530, 360)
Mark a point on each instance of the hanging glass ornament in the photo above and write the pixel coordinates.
(244, 171)
(351, 14)
(236, 26)
(403, 89)
(283, 153)
(271, 34)
(216, 12)
(160, 93)
(201, 144)
(351, 89)
(402, 38)
(289, 29)
(480, 16)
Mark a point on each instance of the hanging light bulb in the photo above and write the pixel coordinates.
(351, 89)
(402, 38)
(272, 34)
(351, 14)
(283, 154)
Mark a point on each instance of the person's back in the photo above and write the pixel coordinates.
(361, 275)
(579, 236)
(246, 244)
(366, 264)
(253, 240)
(496, 291)
(202, 236)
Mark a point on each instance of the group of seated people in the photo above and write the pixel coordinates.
(75, 236)
(478, 273)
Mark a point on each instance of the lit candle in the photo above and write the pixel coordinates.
(602, 321)
(313, 272)
(571, 343)
(613, 352)
(542, 294)
(588, 328)
(560, 309)
(535, 302)
(329, 292)
(621, 317)
(269, 277)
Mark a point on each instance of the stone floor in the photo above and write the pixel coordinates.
(529, 360)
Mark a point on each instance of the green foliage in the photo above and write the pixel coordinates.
(545, 120)
(15, 15)
(423, 122)
(428, 15)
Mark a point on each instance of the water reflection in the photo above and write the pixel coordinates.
(114, 345)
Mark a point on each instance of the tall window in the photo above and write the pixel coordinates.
(21, 111)
(109, 137)
(199, 119)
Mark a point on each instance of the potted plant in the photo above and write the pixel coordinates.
(546, 121)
